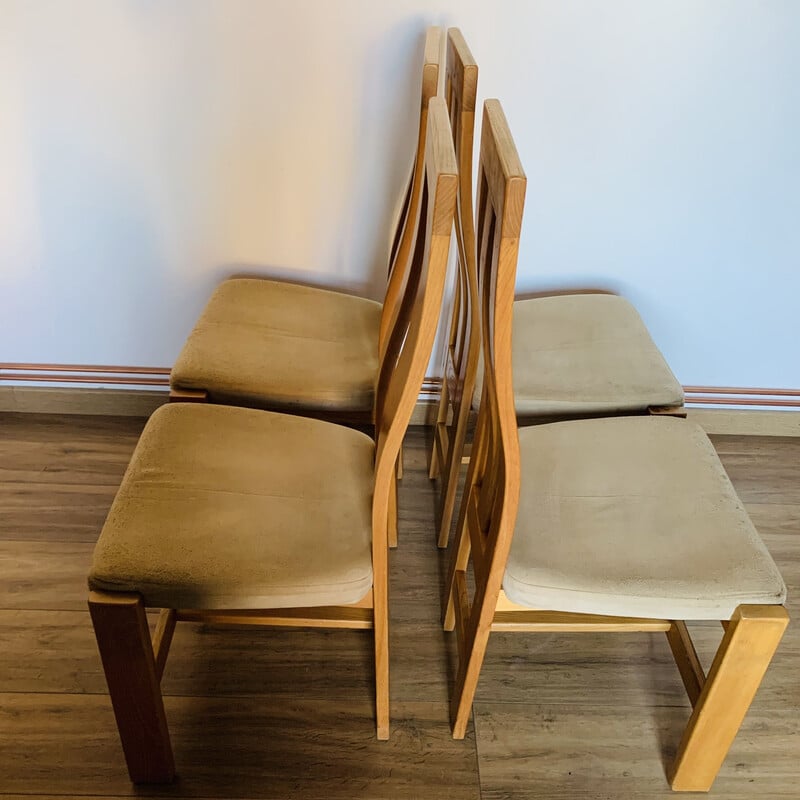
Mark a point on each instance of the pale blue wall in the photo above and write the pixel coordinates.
(150, 148)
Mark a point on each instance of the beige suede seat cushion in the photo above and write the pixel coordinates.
(280, 345)
(225, 508)
(633, 517)
(586, 354)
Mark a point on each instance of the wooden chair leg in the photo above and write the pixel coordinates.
(441, 419)
(452, 470)
(391, 520)
(750, 640)
(399, 467)
(470, 661)
(380, 622)
(120, 625)
(685, 655)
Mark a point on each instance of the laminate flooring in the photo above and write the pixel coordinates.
(285, 713)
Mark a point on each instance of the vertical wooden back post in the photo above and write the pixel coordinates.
(491, 493)
(462, 350)
(408, 350)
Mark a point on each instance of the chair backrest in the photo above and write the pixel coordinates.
(493, 479)
(461, 88)
(403, 246)
(410, 339)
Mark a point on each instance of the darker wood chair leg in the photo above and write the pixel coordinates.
(750, 640)
(120, 625)
(689, 665)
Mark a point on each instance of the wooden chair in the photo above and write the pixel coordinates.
(612, 524)
(579, 353)
(234, 515)
(298, 349)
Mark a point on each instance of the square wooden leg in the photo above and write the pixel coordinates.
(747, 647)
(120, 625)
(380, 622)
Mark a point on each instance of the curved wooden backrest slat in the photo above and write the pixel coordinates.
(410, 340)
(403, 246)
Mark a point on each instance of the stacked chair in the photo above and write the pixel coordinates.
(263, 504)
(614, 524)
(230, 514)
(303, 350)
(576, 354)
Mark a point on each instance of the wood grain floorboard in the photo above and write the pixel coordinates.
(44, 575)
(529, 751)
(55, 651)
(763, 469)
(250, 747)
(259, 713)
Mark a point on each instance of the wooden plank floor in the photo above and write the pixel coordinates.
(258, 713)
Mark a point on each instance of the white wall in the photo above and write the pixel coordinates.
(150, 148)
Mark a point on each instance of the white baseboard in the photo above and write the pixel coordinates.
(139, 403)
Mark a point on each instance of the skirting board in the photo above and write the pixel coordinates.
(102, 402)
(138, 403)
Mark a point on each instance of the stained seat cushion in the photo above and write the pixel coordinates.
(271, 344)
(633, 517)
(586, 354)
(225, 508)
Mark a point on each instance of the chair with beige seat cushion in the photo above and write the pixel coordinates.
(613, 524)
(577, 353)
(230, 514)
(275, 345)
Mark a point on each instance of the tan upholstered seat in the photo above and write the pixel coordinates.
(234, 508)
(587, 354)
(281, 345)
(633, 517)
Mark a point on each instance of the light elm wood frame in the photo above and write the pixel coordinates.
(719, 700)
(134, 664)
(462, 349)
(448, 452)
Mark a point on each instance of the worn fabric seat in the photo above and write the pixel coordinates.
(231, 508)
(585, 354)
(271, 344)
(633, 517)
